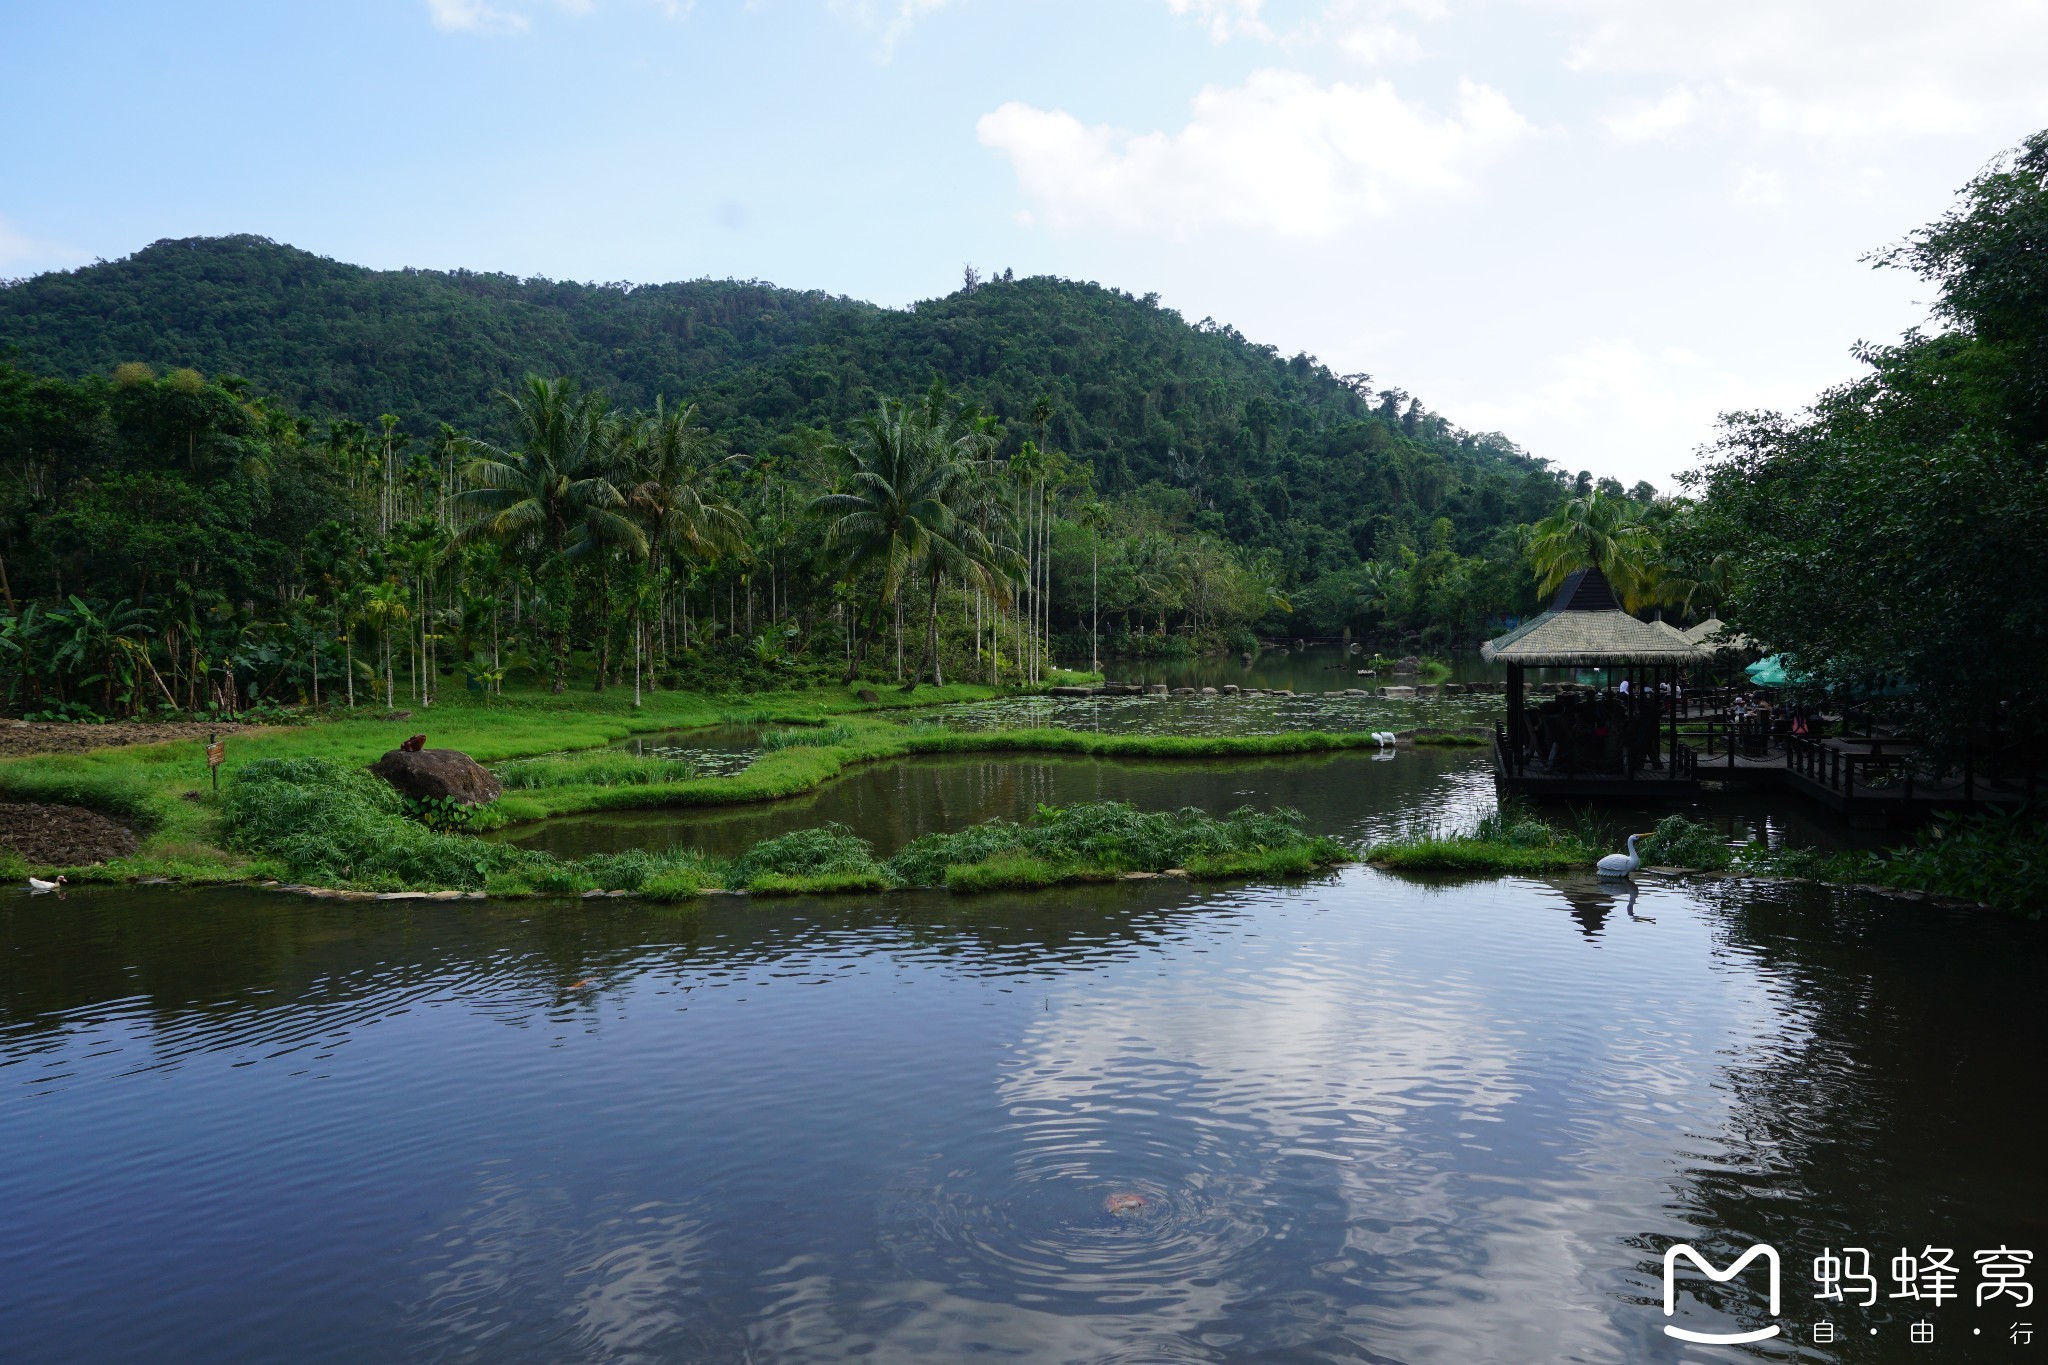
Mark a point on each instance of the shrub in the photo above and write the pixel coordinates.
(327, 821)
(925, 860)
(1061, 842)
(1679, 842)
(1997, 858)
(830, 851)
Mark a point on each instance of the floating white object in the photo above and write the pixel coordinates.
(1621, 864)
(37, 886)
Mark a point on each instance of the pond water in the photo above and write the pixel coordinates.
(1219, 715)
(1317, 668)
(1357, 1119)
(1358, 795)
(714, 750)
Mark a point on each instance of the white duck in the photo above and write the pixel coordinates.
(1383, 738)
(1621, 864)
(37, 886)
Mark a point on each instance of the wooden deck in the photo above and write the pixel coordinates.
(1863, 778)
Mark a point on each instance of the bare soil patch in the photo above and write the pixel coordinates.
(53, 737)
(65, 836)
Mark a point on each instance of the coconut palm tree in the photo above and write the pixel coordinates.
(671, 481)
(1597, 531)
(902, 505)
(550, 494)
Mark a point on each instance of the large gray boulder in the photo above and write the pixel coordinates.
(432, 774)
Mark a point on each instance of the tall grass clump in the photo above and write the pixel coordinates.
(830, 858)
(1104, 838)
(1510, 839)
(330, 822)
(808, 737)
(1997, 858)
(607, 768)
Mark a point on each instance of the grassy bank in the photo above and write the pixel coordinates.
(1503, 842)
(533, 741)
(1999, 859)
(1996, 859)
(316, 821)
(163, 790)
(1514, 840)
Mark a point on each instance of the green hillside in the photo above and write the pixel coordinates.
(1273, 452)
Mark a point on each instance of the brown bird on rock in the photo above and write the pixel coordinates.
(413, 745)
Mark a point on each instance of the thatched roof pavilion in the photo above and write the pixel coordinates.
(1586, 627)
(1717, 637)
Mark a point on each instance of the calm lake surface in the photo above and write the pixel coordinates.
(1369, 1120)
(1355, 794)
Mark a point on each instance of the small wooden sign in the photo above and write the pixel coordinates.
(216, 753)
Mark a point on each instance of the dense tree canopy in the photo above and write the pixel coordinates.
(1273, 452)
(1893, 538)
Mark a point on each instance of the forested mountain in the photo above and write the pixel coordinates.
(1276, 453)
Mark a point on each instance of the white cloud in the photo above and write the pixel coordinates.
(480, 16)
(1226, 19)
(1280, 153)
(1363, 30)
(1376, 42)
(1832, 68)
(1760, 187)
(474, 16)
(1651, 120)
(1615, 406)
(892, 18)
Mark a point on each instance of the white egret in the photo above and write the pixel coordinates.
(1621, 864)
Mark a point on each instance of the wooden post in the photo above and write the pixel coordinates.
(1517, 740)
(216, 751)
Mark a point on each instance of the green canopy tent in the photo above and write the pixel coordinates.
(1770, 672)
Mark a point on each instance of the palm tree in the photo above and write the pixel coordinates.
(1095, 517)
(672, 488)
(550, 494)
(905, 485)
(386, 607)
(1597, 531)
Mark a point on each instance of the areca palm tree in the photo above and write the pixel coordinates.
(1095, 517)
(551, 494)
(385, 606)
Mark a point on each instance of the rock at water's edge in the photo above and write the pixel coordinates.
(432, 774)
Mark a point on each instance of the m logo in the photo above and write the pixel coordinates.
(1770, 1256)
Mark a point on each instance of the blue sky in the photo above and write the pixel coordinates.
(1590, 224)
